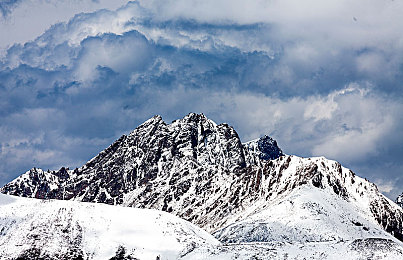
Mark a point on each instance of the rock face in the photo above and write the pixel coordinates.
(265, 148)
(399, 200)
(201, 172)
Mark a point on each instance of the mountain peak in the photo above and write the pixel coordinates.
(195, 118)
(265, 148)
(193, 115)
(153, 120)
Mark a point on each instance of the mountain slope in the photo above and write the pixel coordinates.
(38, 229)
(200, 171)
(305, 215)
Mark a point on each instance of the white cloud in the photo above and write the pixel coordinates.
(121, 54)
(30, 18)
(355, 144)
(386, 186)
(319, 20)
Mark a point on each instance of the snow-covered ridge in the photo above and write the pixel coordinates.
(38, 229)
(201, 171)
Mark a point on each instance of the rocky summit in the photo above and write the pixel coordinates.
(240, 192)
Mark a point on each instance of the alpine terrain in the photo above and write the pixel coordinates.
(255, 201)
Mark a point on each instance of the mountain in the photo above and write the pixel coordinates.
(242, 193)
(186, 167)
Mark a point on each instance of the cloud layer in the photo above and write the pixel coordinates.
(323, 79)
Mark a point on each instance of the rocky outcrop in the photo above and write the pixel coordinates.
(399, 200)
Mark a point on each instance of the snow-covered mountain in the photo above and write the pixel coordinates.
(188, 167)
(241, 193)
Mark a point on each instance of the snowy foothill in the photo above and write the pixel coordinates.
(94, 231)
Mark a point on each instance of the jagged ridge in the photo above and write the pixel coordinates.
(201, 171)
(164, 166)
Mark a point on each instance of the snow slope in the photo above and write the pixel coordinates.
(305, 215)
(54, 229)
(326, 202)
(51, 229)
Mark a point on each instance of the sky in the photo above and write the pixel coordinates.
(324, 78)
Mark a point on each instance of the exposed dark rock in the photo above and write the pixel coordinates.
(388, 217)
(399, 200)
(369, 247)
(268, 148)
(317, 180)
(36, 254)
(121, 254)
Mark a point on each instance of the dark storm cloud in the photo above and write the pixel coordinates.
(331, 90)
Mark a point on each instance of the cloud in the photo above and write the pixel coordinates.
(386, 186)
(122, 54)
(315, 21)
(317, 80)
(24, 20)
(7, 6)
